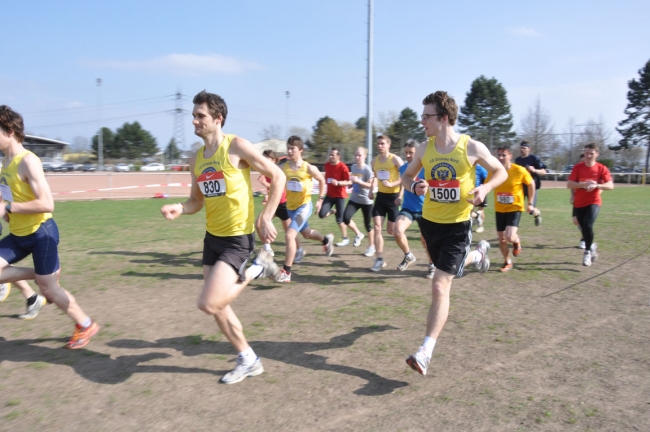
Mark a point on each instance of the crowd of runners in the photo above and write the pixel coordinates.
(442, 186)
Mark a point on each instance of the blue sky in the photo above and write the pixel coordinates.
(575, 56)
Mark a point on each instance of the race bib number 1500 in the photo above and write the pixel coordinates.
(444, 191)
(212, 184)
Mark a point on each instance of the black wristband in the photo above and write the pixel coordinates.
(413, 187)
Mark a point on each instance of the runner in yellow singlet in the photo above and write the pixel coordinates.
(27, 205)
(450, 193)
(221, 182)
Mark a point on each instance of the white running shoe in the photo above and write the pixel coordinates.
(329, 247)
(268, 250)
(480, 229)
(300, 254)
(484, 263)
(408, 260)
(34, 309)
(594, 252)
(270, 268)
(379, 264)
(431, 272)
(586, 259)
(242, 371)
(582, 244)
(419, 362)
(370, 251)
(283, 277)
(344, 242)
(357, 240)
(5, 289)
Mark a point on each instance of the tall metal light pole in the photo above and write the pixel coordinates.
(286, 118)
(369, 137)
(100, 143)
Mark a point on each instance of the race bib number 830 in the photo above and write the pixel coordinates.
(212, 184)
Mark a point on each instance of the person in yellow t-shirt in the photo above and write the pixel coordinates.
(27, 204)
(221, 183)
(449, 160)
(509, 204)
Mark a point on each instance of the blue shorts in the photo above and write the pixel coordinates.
(42, 244)
(411, 215)
(300, 217)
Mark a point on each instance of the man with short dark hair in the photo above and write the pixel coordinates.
(536, 167)
(27, 204)
(450, 193)
(221, 183)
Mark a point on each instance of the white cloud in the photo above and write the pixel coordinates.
(523, 31)
(183, 64)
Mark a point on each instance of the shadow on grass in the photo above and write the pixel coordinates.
(183, 259)
(294, 353)
(91, 365)
(536, 266)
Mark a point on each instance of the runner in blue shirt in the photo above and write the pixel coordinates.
(478, 216)
(411, 211)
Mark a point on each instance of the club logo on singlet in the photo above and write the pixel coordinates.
(443, 186)
(212, 183)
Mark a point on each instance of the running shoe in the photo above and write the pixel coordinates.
(34, 309)
(344, 242)
(409, 259)
(269, 251)
(419, 362)
(431, 272)
(270, 268)
(329, 247)
(370, 251)
(594, 252)
(516, 248)
(582, 244)
(586, 259)
(242, 371)
(300, 254)
(379, 264)
(483, 248)
(357, 240)
(82, 336)
(538, 218)
(283, 277)
(507, 266)
(480, 229)
(5, 289)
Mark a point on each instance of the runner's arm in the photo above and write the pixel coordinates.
(479, 152)
(30, 170)
(192, 204)
(412, 170)
(531, 196)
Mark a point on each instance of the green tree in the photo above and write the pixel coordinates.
(132, 142)
(635, 129)
(172, 151)
(327, 133)
(407, 126)
(486, 114)
(108, 137)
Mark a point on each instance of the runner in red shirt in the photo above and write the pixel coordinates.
(337, 176)
(588, 179)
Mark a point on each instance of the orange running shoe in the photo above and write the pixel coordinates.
(516, 248)
(507, 266)
(82, 336)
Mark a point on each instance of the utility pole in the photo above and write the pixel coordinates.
(286, 117)
(179, 124)
(369, 137)
(100, 143)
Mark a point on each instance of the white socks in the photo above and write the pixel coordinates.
(248, 356)
(428, 345)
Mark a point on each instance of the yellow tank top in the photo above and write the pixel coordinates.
(299, 185)
(509, 195)
(386, 171)
(226, 189)
(450, 178)
(16, 190)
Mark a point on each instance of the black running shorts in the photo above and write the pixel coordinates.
(448, 244)
(234, 250)
(385, 206)
(507, 219)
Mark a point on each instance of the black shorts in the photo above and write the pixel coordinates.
(507, 219)
(328, 203)
(573, 212)
(282, 212)
(234, 250)
(448, 244)
(411, 215)
(385, 206)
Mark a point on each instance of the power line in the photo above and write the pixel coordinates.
(103, 120)
(122, 104)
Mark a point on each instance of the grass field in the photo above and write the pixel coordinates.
(551, 345)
